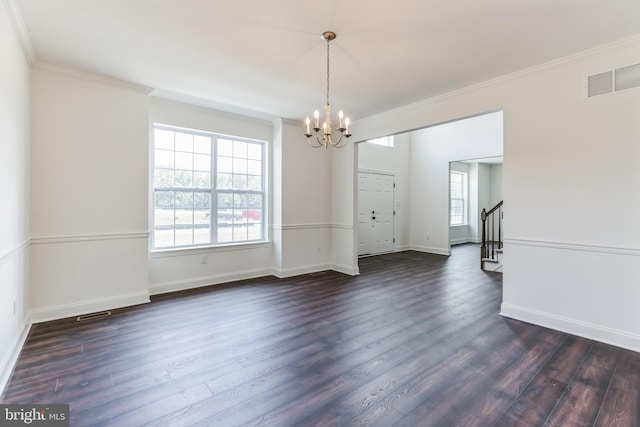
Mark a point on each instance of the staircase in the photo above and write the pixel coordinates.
(491, 253)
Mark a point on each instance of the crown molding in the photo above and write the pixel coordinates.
(506, 77)
(20, 29)
(91, 77)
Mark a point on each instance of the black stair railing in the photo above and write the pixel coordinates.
(490, 241)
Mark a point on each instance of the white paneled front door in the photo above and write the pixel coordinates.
(375, 213)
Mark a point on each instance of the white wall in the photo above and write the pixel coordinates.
(394, 161)
(497, 184)
(89, 194)
(432, 149)
(14, 194)
(569, 163)
(305, 204)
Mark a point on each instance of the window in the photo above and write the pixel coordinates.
(207, 189)
(386, 141)
(458, 185)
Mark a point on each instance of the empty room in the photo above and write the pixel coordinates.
(281, 213)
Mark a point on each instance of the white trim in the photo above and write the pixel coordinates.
(44, 240)
(10, 359)
(310, 226)
(346, 269)
(430, 250)
(302, 226)
(572, 326)
(92, 77)
(6, 255)
(199, 282)
(298, 271)
(572, 246)
(20, 29)
(497, 80)
(204, 250)
(62, 311)
(342, 226)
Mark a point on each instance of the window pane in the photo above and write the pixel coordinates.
(225, 181)
(254, 151)
(163, 237)
(184, 236)
(202, 235)
(202, 162)
(163, 217)
(239, 182)
(225, 200)
(163, 178)
(225, 147)
(202, 201)
(163, 139)
(240, 233)
(184, 142)
(239, 201)
(164, 199)
(254, 183)
(240, 149)
(184, 179)
(202, 144)
(163, 159)
(202, 180)
(225, 164)
(254, 201)
(184, 216)
(184, 161)
(254, 167)
(240, 166)
(255, 231)
(184, 200)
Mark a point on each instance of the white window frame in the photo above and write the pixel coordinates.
(464, 199)
(240, 218)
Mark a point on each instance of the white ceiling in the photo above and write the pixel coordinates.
(266, 57)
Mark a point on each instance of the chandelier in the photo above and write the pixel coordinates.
(327, 138)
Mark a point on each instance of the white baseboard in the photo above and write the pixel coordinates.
(346, 269)
(200, 282)
(282, 273)
(46, 314)
(11, 356)
(431, 250)
(572, 326)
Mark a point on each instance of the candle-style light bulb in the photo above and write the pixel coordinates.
(316, 115)
(346, 125)
(308, 121)
(341, 115)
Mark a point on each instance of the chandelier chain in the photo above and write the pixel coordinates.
(328, 42)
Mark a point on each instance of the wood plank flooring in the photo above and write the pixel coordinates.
(415, 340)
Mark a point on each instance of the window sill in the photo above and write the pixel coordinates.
(459, 225)
(203, 250)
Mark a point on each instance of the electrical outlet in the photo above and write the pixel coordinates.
(15, 307)
(204, 260)
(428, 237)
(318, 249)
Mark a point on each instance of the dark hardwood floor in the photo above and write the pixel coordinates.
(415, 340)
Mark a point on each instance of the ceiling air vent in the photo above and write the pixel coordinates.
(628, 77)
(599, 84)
(613, 81)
